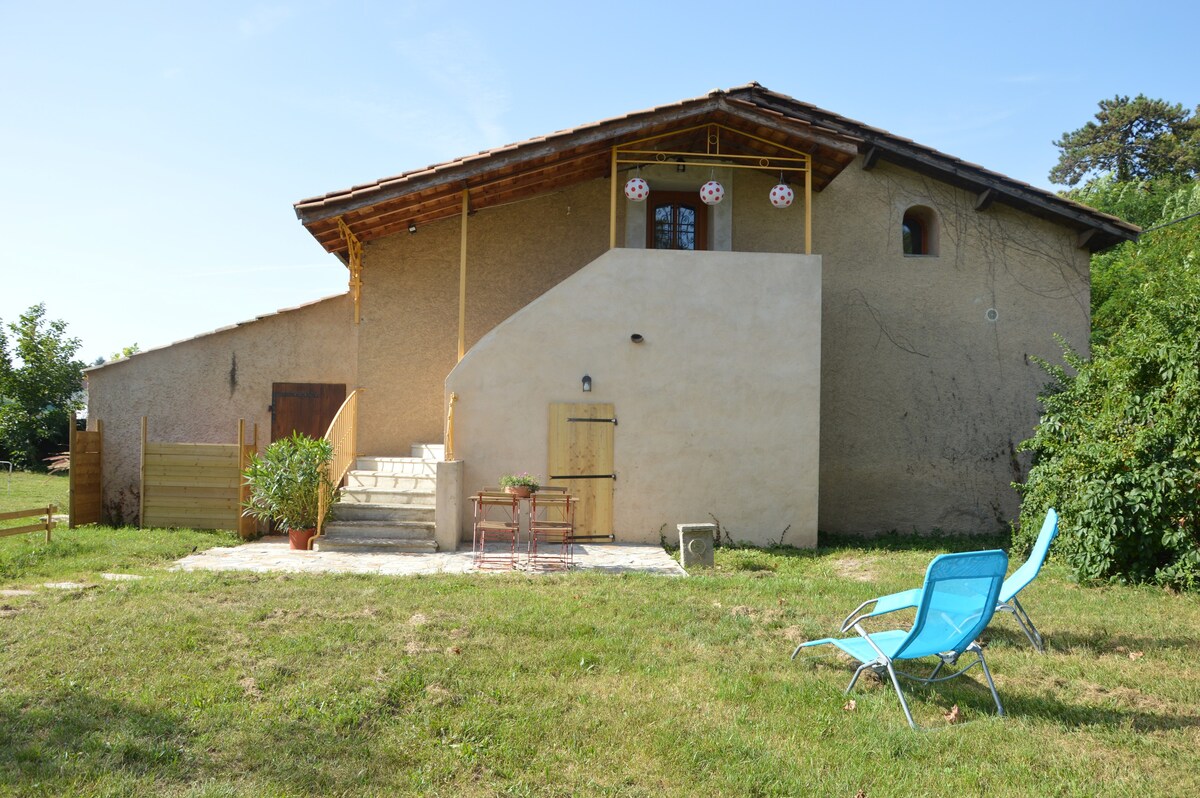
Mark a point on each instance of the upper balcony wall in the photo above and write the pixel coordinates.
(718, 407)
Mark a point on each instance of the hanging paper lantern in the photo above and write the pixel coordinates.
(712, 192)
(782, 195)
(637, 189)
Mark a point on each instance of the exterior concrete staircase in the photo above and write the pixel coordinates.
(387, 505)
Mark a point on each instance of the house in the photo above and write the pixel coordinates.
(859, 360)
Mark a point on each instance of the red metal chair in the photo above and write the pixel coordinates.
(497, 525)
(551, 529)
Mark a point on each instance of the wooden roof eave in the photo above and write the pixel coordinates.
(877, 143)
(372, 211)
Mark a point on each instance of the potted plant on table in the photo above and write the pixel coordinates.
(287, 484)
(519, 484)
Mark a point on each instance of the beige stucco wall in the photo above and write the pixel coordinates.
(924, 397)
(718, 408)
(196, 390)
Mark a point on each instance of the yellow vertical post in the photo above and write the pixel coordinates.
(808, 207)
(612, 204)
(462, 278)
(142, 486)
(71, 453)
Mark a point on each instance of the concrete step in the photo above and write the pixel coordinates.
(429, 451)
(391, 480)
(380, 530)
(413, 466)
(389, 513)
(375, 545)
(385, 496)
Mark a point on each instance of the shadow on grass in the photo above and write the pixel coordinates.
(75, 736)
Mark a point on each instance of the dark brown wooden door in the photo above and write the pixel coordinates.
(306, 407)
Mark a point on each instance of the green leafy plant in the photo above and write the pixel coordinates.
(1117, 450)
(522, 480)
(288, 480)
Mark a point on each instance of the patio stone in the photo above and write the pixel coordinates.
(272, 554)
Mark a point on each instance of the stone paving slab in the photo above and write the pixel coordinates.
(273, 554)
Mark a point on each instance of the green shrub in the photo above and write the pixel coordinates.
(287, 481)
(1117, 450)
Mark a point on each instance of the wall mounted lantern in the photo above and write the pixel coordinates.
(587, 384)
(412, 227)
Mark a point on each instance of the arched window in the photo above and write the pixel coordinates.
(676, 220)
(918, 231)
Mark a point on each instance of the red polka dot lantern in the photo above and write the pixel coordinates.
(782, 195)
(712, 192)
(637, 189)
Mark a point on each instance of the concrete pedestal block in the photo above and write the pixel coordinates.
(696, 545)
(448, 508)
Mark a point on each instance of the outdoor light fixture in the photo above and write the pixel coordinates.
(587, 384)
(712, 192)
(680, 166)
(637, 189)
(412, 227)
(782, 195)
(637, 338)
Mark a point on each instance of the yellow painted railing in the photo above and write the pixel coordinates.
(343, 434)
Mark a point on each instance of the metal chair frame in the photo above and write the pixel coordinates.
(551, 530)
(496, 528)
(954, 605)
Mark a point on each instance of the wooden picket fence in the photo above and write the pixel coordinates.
(45, 525)
(196, 485)
(87, 452)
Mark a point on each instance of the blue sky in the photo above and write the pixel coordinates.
(150, 153)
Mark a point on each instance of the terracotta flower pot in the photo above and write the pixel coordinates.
(298, 538)
(520, 491)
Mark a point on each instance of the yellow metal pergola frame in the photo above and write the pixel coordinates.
(629, 153)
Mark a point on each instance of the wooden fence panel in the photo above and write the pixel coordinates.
(84, 480)
(194, 484)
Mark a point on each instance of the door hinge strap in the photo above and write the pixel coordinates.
(583, 476)
(612, 421)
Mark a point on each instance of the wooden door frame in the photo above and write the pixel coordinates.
(687, 198)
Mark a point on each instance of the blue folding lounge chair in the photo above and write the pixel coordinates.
(954, 605)
(1008, 591)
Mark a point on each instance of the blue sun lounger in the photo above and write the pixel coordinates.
(955, 604)
(1008, 602)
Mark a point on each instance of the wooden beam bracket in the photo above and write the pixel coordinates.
(355, 264)
(870, 159)
(984, 200)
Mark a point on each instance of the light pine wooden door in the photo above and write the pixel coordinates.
(581, 460)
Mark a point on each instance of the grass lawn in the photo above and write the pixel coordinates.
(209, 684)
(26, 491)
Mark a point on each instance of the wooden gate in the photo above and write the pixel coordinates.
(306, 407)
(87, 448)
(581, 459)
(196, 485)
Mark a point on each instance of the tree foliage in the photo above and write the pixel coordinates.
(1134, 139)
(1117, 275)
(1117, 450)
(40, 382)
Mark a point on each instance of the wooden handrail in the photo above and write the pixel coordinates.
(343, 434)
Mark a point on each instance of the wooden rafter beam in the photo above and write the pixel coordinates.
(984, 199)
(870, 158)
